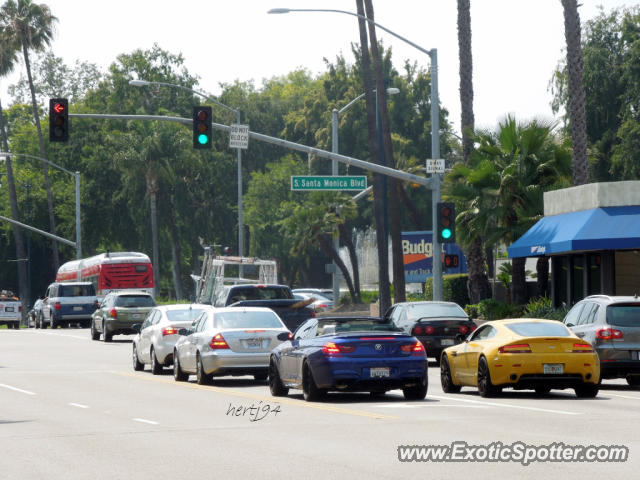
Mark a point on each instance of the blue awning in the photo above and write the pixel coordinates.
(606, 228)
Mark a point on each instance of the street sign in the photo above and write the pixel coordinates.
(328, 182)
(239, 136)
(435, 166)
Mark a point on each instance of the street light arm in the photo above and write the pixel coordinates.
(350, 103)
(390, 32)
(2, 154)
(142, 83)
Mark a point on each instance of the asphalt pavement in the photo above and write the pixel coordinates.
(72, 408)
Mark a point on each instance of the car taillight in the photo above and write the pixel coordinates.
(516, 348)
(96, 304)
(331, 348)
(463, 329)
(57, 306)
(609, 334)
(582, 348)
(415, 348)
(218, 342)
(113, 313)
(169, 331)
(19, 308)
(417, 331)
(473, 327)
(428, 330)
(313, 314)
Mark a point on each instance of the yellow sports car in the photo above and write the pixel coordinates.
(522, 354)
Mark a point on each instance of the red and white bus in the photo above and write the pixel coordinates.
(110, 271)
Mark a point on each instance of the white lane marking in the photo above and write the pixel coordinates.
(507, 405)
(79, 405)
(27, 392)
(66, 336)
(418, 405)
(142, 420)
(620, 396)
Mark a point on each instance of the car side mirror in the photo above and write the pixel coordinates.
(460, 338)
(183, 331)
(284, 336)
(568, 325)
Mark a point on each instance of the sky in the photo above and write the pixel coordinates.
(516, 43)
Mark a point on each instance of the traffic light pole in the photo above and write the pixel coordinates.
(435, 177)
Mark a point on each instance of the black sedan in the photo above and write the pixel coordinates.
(437, 325)
(353, 354)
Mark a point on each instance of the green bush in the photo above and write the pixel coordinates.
(454, 289)
(490, 309)
(543, 308)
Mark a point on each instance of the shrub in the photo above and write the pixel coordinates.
(454, 289)
(543, 308)
(490, 309)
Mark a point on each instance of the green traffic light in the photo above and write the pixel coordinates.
(203, 139)
(446, 233)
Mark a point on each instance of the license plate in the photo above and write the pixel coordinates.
(553, 368)
(77, 309)
(136, 315)
(8, 309)
(254, 343)
(382, 372)
(446, 341)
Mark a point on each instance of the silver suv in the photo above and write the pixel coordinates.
(612, 326)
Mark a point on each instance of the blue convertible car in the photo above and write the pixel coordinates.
(356, 354)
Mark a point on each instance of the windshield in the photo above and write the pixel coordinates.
(332, 326)
(259, 293)
(624, 315)
(186, 315)
(244, 319)
(422, 310)
(535, 329)
(133, 301)
(76, 291)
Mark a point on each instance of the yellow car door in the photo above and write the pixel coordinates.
(474, 347)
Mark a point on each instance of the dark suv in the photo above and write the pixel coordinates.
(612, 326)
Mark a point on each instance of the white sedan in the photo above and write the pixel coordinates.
(158, 334)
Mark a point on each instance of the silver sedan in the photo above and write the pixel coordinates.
(158, 334)
(228, 341)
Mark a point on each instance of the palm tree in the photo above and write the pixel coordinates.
(576, 92)
(30, 26)
(466, 78)
(8, 58)
(378, 197)
(501, 191)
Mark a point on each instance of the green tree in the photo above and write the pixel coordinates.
(31, 26)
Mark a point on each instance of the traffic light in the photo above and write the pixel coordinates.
(451, 261)
(446, 222)
(202, 127)
(58, 120)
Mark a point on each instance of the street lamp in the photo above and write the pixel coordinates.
(142, 83)
(435, 130)
(334, 169)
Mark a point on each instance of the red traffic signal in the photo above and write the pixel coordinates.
(58, 120)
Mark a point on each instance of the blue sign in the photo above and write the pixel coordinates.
(417, 251)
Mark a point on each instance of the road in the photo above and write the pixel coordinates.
(72, 408)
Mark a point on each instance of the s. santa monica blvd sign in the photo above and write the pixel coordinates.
(328, 182)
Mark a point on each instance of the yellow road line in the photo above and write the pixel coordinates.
(282, 400)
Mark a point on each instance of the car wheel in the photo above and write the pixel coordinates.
(95, 335)
(178, 374)
(106, 337)
(485, 387)
(587, 390)
(276, 386)
(633, 380)
(201, 377)
(156, 367)
(260, 377)
(310, 390)
(542, 390)
(137, 364)
(54, 324)
(417, 392)
(35, 322)
(445, 377)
